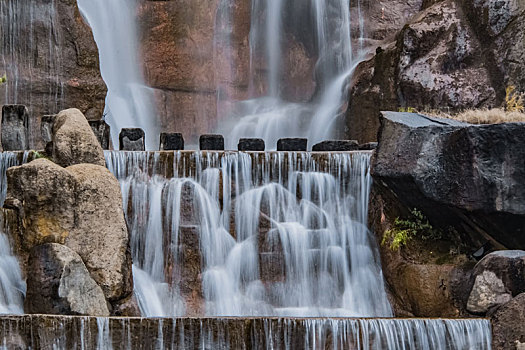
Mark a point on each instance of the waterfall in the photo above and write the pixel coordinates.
(326, 26)
(129, 103)
(263, 233)
(12, 285)
(247, 333)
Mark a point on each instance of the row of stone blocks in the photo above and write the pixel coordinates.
(15, 120)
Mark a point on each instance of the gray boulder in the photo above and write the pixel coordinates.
(466, 176)
(59, 283)
(74, 141)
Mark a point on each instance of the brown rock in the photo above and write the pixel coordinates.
(59, 283)
(508, 325)
(51, 61)
(74, 141)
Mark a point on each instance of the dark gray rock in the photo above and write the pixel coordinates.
(508, 325)
(15, 123)
(370, 146)
(46, 127)
(467, 176)
(254, 145)
(102, 131)
(292, 144)
(336, 146)
(171, 141)
(59, 283)
(132, 139)
(211, 142)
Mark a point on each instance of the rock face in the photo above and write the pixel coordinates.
(50, 59)
(508, 325)
(74, 141)
(498, 278)
(59, 283)
(453, 55)
(459, 175)
(15, 121)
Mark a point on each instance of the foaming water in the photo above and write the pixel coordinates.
(238, 234)
(247, 333)
(129, 100)
(12, 285)
(271, 114)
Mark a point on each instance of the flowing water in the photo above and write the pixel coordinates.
(129, 100)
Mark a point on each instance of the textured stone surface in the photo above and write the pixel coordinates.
(211, 142)
(50, 59)
(15, 132)
(102, 131)
(292, 144)
(171, 141)
(59, 283)
(336, 145)
(74, 141)
(132, 139)
(508, 325)
(467, 176)
(488, 291)
(251, 145)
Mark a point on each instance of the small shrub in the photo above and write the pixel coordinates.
(407, 109)
(405, 230)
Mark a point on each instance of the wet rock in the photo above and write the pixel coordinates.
(171, 141)
(15, 123)
(59, 283)
(251, 145)
(51, 59)
(132, 139)
(336, 146)
(74, 141)
(459, 175)
(508, 325)
(46, 128)
(211, 143)
(370, 146)
(127, 307)
(498, 277)
(80, 207)
(102, 131)
(292, 144)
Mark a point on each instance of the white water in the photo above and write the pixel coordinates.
(12, 286)
(328, 266)
(273, 116)
(129, 103)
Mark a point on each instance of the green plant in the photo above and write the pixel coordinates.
(38, 155)
(404, 230)
(3, 79)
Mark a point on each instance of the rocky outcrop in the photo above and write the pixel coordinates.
(498, 277)
(59, 283)
(508, 325)
(74, 141)
(465, 176)
(445, 58)
(51, 60)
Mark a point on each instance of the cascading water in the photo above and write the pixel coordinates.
(12, 285)
(129, 101)
(273, 116)
(276, 236)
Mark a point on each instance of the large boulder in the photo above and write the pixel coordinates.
(508, 325)
(59, 283)
(80, 207)
(51, 61)
(74, 142)
(497, 278)
(459, 175)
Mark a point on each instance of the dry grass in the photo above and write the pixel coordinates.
(489, 116)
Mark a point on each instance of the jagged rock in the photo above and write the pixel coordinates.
(102, 131)
(292, 144)
(171, 141)
(59, 283)
(508, 325)
(251, 145)
(498, 277)
(211, 142)
(15, 123)
(336, 146)
(51, 60)
(74, 141)
(132, 139)
(465, 176)
(80, 207)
